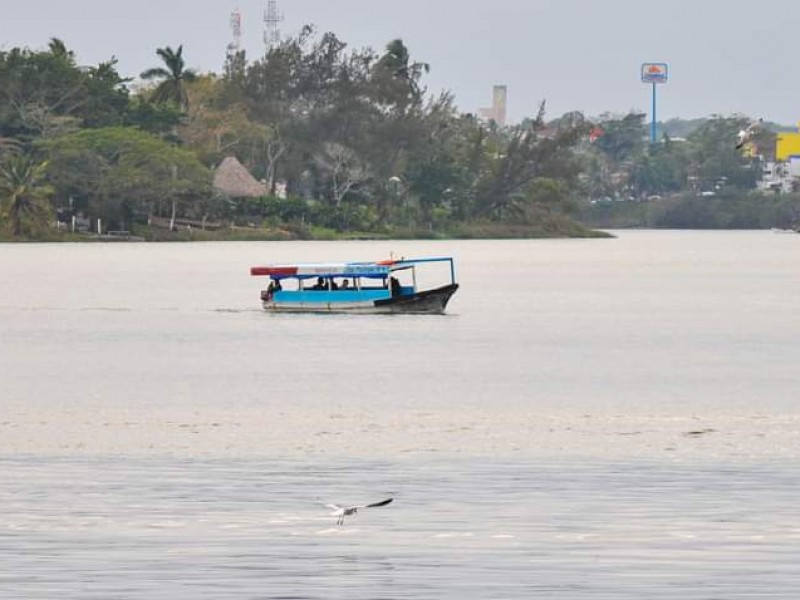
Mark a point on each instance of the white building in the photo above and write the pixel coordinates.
(497, 111)
(780, 176)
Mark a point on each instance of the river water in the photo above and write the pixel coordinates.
(592, 419)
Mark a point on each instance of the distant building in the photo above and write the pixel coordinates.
(233, 180)
(497, 112)
(783, 175)
(780, 176)
(787, 146)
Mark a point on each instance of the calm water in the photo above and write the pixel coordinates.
(592, 419)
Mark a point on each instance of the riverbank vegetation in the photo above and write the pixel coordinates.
(345, 143)
(690, 211)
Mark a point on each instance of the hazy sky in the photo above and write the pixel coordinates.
(725, 56)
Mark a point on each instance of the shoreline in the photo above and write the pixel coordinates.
(280, 235)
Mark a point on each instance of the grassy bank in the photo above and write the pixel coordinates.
(557, 227)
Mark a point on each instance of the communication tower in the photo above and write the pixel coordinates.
(272, 18)
(236, 28)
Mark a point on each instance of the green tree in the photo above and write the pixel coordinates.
(45, 93)
(614, 157)
(622, 139)
(524, 154)
(214, 128)
(433, 172)
(396, 79)
(107, 97)
(715, 158)
(172, 78)
(664, 169)
(160, 119)
(118, 173)
(23, 195)
(545, 194)
(305, 93)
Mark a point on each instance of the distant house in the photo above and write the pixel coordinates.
(231, 179)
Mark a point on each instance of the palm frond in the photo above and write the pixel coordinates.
(155, 73)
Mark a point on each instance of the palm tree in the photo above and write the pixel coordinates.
(173, 77)
(23, 194)
(397, 63)
(58, 48)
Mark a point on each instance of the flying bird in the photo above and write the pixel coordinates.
(340, 512)
(746, 134)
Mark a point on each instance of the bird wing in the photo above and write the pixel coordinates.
(333, 506)
(381, 503)
(742, 137)
(754, 127)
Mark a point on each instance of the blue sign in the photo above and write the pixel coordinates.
(654, 72)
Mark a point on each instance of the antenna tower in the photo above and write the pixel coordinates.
(272, 18)
(236, 28)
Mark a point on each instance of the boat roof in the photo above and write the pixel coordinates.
(344, 269)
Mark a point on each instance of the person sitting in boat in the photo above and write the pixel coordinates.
(345, 285)
(397, 289)
(274, 286)
(320, 285)
(333, 287)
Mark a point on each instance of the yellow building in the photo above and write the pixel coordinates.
(787, 146)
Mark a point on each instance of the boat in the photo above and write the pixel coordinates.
(383, 287)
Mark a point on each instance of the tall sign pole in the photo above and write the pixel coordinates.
(654, 73)
(653, 132)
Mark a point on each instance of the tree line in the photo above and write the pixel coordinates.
(352, 136)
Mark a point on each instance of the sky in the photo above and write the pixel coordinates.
(725, 56)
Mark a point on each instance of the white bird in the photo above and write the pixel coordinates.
(340, 512)
(746, 134)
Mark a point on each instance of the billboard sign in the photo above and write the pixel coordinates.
(654, 72)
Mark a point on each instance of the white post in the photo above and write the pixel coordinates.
(99, 227)
(73, 223)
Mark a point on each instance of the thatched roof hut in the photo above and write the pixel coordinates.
(234, 181)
